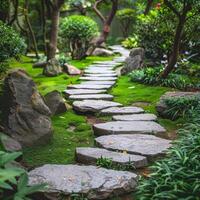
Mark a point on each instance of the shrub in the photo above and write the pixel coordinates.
(130, 42)
(151, 76)
(77, 31)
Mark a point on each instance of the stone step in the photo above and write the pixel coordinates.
(84, 86)
(131, 127)
(135, 117)
(122, 110)
(93, 182)
(98, 83)
(103, 65)
(87, 155)
(98, 78)
(92, 96)
(99, 71)
(139, 144)
(101, 68)
(101, 75)
(93, 105)
(69, 92)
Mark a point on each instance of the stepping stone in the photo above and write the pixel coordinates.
(93, 182)
(82, 91)
(139, 144)
(84, 86)
(89, 155)
(135, 117)
(92, 96)
(99, 71)
(131, 127)
(98, 78)
(93, 105)
(100, 75)
(100, 68)
(105, 62)
(102, 65)
(98, 82)
(122, 111)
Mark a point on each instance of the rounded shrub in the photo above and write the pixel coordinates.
(77, 31)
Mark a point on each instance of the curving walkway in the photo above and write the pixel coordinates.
(132, 138)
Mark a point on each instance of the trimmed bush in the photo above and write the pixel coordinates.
(77, 31)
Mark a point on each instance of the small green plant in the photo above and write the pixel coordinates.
(130, 42)
(13, 180)
(78, 197)
(109, 164)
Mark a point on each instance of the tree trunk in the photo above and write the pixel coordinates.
(148, 7)
(176, 46)
(43, 22)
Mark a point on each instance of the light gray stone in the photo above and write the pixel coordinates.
(99, 71)
(139, 144)
(87, 155)
(122, 110)
(94, 182)
(82, 91)
(100, 68)
(91, 96)
(71, 70)
(131, 127)
(101, 75)
(93, 105)
(84, 86)
(102, 52)
(52, 68)
(98, 78)
(135, 117)
(98, 82)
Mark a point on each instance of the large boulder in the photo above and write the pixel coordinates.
(71, 70)
(134, 61)
(26, 118)
(102, 52)
(52, 68)
(161, 106)
(55, 102)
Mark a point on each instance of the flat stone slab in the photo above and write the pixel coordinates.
(93, 105)
(99, 71)
(122, 110)
(95, 183)
(98, 78)
(101, 75)
(102, 65)
(98, 82)
(82, 91)
(131, 127)
(135, 117)
(139, 144)
(84, 86)
(100, 68)
(87, 155)
(92, 96)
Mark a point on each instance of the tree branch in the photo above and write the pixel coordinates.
(169, 5)
(148, 7)
(97, 11)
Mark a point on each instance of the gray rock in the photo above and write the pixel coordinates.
(84, 86)
(134, 61)
(139, 144)
(98, 78)
(89, 155)
(161, 106)
(52, 68)
(102, 52)
(93, 105)
(98, 83)
(41, 64)
(26, 117)
(91, 96)
(95, 183)
(131, 127)
(71, 70)
(135, 117)
(101, 75)
(99, 71)
(9, 144)
(55, 102)
(122, 110)
(82, 91)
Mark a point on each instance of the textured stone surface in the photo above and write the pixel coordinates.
(71, 70)
(93, 105)
(98, 78)
(82, 91)
(135, 117)
(133, 127)
(101, 75)
(98, 82)
(91, 96)
(96, 183)
(89, 155)
(141, 144)
(99, 71)
(102, 52)
(52, 68)
(26, 118)
(55, 102)
(84, 86)
(122, 110)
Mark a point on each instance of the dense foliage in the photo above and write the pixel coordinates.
(77, 32)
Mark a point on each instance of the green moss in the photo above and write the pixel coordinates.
(62, 146)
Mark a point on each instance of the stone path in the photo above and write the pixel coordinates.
(128, 139)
